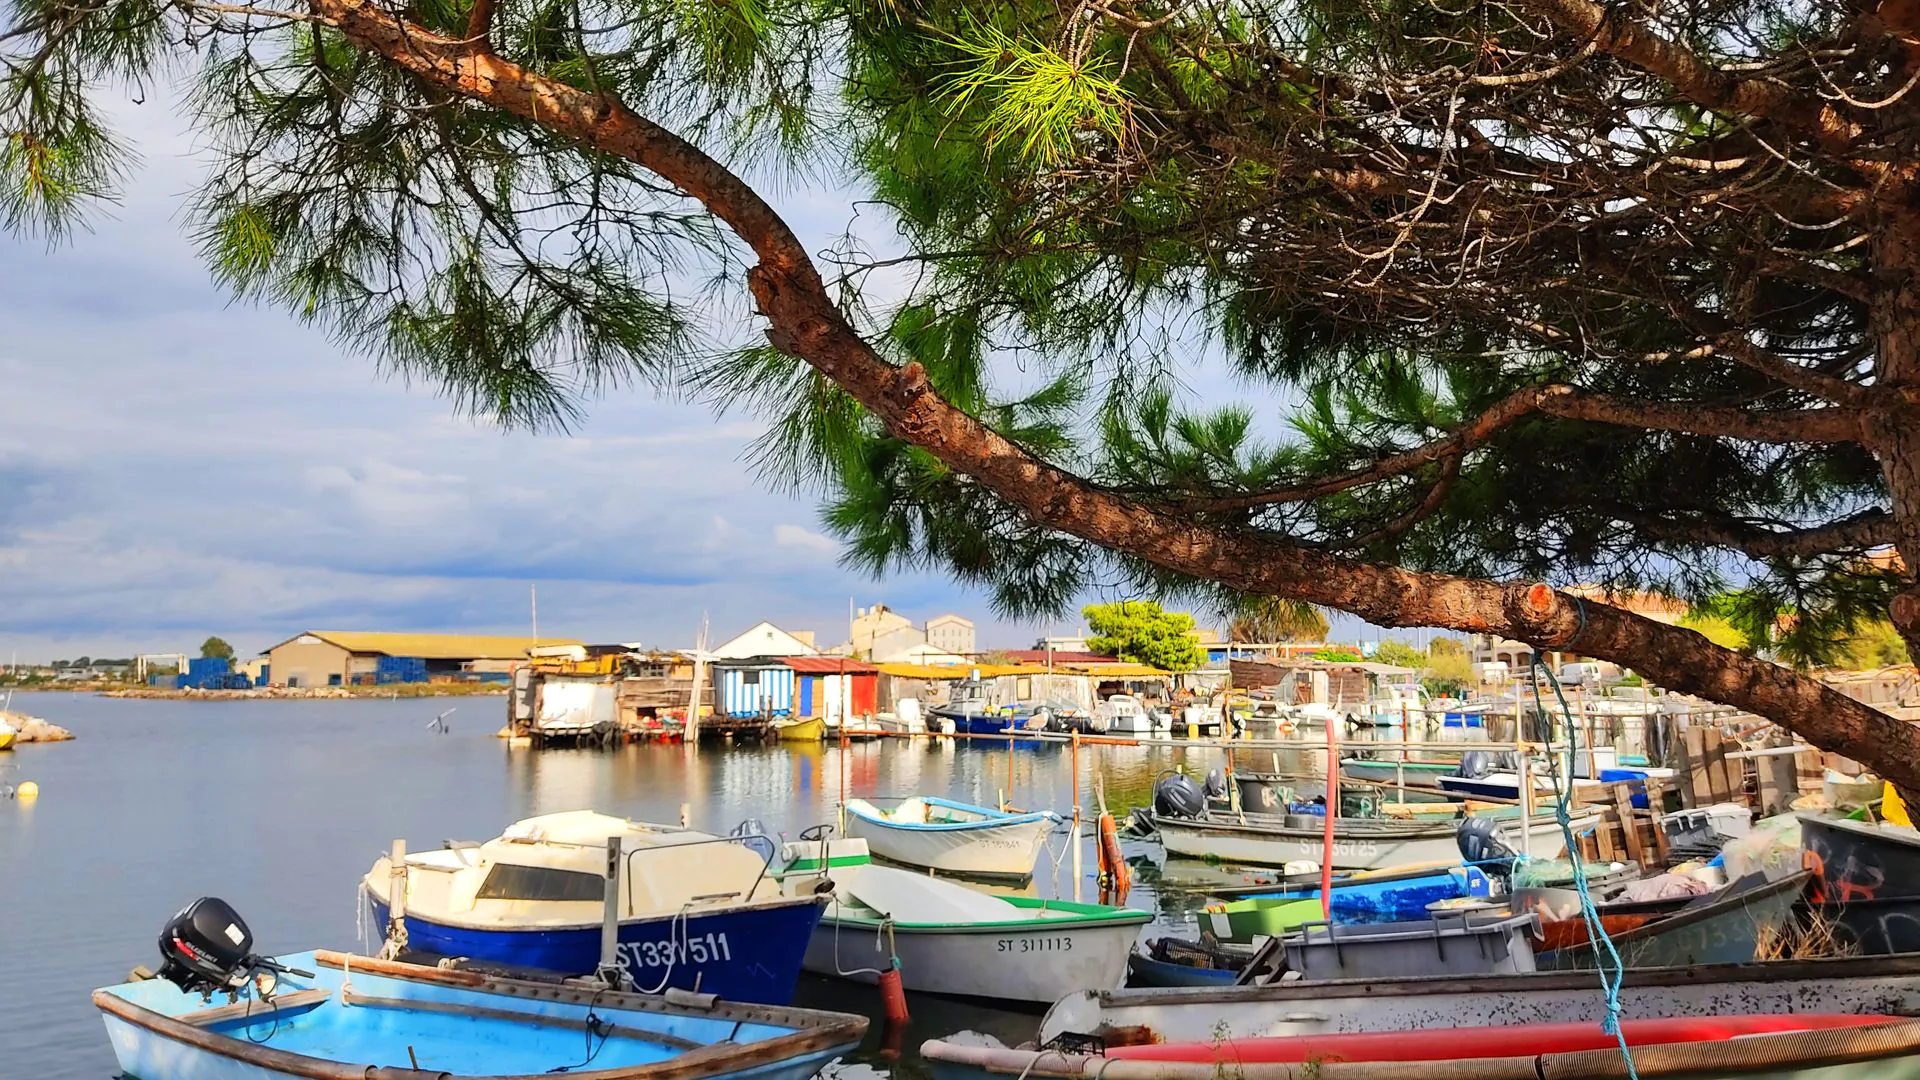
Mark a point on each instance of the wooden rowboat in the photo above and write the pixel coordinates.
(1774, 1047)
(810, 729)
(356, 1018)
(953, 837)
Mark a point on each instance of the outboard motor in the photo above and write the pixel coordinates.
(1176, 795)
(1474, 764)
(1481, 846)
(1216, 789)
(753, 836)
(207, 949)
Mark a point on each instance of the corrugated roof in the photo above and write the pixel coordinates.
(829, 665)
(1059, 656)
(1115, 671)
(432, 646)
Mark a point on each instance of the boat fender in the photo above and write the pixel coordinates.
(893, 992)
(690, 999)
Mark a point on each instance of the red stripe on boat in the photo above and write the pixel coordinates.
(1457, 1044)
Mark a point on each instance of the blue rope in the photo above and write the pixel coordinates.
(1604, 954)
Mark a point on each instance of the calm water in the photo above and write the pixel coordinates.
(280, 806)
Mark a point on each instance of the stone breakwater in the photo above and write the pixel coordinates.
(34, 729)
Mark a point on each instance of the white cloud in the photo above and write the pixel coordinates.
(794, 536)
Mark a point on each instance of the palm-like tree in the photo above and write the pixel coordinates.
(1270, 618)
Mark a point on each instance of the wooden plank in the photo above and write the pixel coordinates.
(1693, 763)
(1719, 784)
(1603, 832)
(260, 1010)
(1623, 805)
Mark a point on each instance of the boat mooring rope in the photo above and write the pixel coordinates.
(1611, 978)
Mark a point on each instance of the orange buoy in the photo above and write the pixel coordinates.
(1117, 881)
(893, 993)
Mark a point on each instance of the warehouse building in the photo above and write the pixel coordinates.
(343, 658)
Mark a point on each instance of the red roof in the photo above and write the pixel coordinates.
(1039, 656)
(830, 665)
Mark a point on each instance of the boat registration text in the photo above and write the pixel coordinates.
(694, 950)
(1036, 944)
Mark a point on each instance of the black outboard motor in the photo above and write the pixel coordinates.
(1474, 764)
(1481, 846)
(205, 948)
(1216, 786)
(1176, 795)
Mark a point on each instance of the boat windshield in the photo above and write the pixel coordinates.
(509, 881)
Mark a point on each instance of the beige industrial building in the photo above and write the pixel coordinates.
(340, 657)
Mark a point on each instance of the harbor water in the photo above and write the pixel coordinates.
(279, 807)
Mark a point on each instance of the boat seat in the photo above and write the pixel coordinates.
(297, 1001)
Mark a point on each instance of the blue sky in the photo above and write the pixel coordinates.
(173, 465)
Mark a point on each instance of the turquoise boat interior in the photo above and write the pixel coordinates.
(361, 1018)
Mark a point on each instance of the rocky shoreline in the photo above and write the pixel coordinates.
(264, 693)
(32, 729)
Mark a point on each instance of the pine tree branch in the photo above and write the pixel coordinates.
(1860, 532)
(804, 321)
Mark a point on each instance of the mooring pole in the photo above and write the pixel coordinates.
(1075, 837)
(609, 972)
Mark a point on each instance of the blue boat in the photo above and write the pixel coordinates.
(356, 1017)
(696, 912)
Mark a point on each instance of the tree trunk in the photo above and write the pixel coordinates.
(804, 321)
(1893, 430)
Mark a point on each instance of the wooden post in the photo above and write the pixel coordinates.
(1623, 804)
(609, 972)
(1333, 809)
(1696, 791)
(1719, 777)
(1526, 799)
(1075, 837)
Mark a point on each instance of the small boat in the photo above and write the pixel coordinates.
(1867, 985)
(1859, 860)
(1831, 1046)
(967, 711)
(1727, 927)
(1358, 843)
(696, 911)
(1383, 897)
(1413, 774)
(7, 735)
(809, 729)
(951, 836)
(1123, 714)
(215, 1011)
(950, 939)
(1172, 962)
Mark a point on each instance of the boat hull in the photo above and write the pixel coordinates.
(999, 849)
(1879, 1051)
(742, 954)
(1854, 860)
(456, 1024)
(810, 730)
(1728, 931)
(1391, 900)
(1366, 848)
(1425, 775)
(1880, 985)
(1036, 963)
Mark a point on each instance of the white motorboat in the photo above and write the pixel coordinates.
(953, 837)
(695, 911)
(951, 939)
(1358, 843)
(1123, 714)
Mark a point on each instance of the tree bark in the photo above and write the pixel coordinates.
(1894, 428)
(804, 321)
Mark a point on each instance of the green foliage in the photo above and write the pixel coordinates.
(1399, 654)
(1268, 619)
(1446, 646)
(1448, 673)
(1717, 630)
(1338, 654)
(1873, 644)
(1032, 95)
(216, 648)
(1140, 631)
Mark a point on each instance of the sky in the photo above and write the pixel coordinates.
(174, 465)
